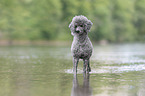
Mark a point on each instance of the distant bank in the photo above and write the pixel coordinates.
(39, 42)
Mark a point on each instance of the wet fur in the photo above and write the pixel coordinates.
(81, 46)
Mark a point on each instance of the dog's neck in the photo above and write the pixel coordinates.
(81, 39)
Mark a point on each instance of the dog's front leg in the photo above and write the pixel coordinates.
(86, 66)
(84, 69)
(75, 64)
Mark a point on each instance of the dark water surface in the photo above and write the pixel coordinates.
(117, 70)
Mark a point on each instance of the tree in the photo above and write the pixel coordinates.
(47, 15)
(140, 18)
(102, 19)
(123, 18)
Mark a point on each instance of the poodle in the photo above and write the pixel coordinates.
(81, 46)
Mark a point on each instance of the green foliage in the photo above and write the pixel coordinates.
(113, 20)
(123, 20)
(140, 19)
(103, 26)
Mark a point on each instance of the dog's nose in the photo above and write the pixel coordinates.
(77, 30)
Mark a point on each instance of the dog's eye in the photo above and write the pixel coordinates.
(75, 26)
(81, 25)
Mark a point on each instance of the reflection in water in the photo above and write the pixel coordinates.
(141, 91)
(84, 90)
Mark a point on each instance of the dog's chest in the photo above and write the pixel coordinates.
(81, 50)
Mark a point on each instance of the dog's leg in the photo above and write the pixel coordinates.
(86, 66)
(75, 64)
(89, 66)
(84, 69)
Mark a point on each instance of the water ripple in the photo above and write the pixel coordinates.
(111, 69)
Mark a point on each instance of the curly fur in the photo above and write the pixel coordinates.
(81, 46)
(80, 19)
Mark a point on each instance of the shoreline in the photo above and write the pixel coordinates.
(53, 43)
(36, 42)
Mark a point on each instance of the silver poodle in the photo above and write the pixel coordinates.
(81, 46)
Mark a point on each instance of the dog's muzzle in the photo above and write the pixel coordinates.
(79, 30)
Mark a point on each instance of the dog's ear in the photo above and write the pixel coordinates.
(88, 26)
(70, 25)
(71, 28)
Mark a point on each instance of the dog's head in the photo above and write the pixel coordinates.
(80, 25)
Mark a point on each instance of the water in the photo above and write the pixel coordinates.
(117, 70)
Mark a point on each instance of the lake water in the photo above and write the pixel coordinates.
(117, 70)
